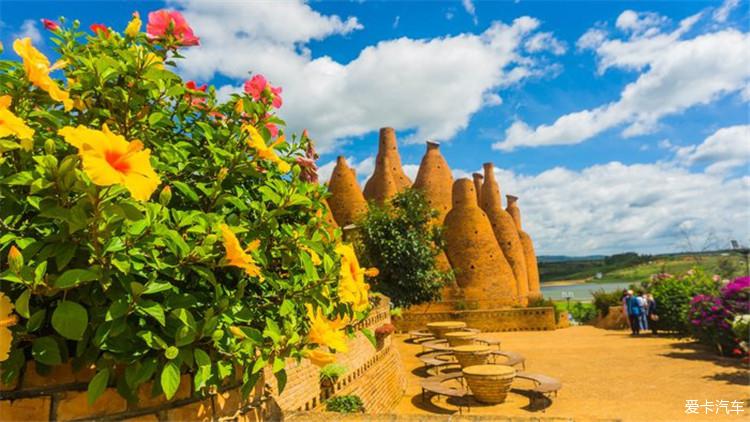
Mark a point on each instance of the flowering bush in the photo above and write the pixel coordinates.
(711, 322)
(152, 231)
(673, 295)
(713, 318)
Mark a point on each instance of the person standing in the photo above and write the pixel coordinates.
(634, 313)
(625, 312)
(643, 316)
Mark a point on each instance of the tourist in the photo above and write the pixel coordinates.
(653, 316)
(634, 313)
(643, 316)
(624, 300)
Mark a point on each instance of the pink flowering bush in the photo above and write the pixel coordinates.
(711, 316)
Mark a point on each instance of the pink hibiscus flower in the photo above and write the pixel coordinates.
(163, 23)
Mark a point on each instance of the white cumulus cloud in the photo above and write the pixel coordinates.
(722, 13)
(431, 86)
(726, 149)
(675, 74)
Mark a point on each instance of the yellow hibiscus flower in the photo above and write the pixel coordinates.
(263, 151)
(237, 256)
(325, 332)
(134, 26)
(352, 286)
(7, 319)
(38, 68)
(10, 124)
(319, 357)
(109, 159)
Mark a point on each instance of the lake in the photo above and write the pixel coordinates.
(581, 292)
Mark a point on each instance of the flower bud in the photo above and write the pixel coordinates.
(15, 260)
(49, 146)
(165, 195)
(222, 174)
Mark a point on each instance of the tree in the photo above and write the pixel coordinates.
(400, 239)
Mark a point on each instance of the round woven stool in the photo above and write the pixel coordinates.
(489, 383)
(439, 328)
(472, 354)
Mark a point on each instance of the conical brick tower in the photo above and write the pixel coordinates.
(346, 201)
(532, 268)
(505, 232)
(482, 271)
(435, 180)
(388, 178)
(478, 179)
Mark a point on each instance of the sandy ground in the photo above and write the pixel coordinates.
(605, 375)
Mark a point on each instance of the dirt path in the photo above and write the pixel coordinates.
(605, 375)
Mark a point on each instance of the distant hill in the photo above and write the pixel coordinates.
(562, 258)
(632, 267)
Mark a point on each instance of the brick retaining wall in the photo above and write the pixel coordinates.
(489, 320)
(374, 374)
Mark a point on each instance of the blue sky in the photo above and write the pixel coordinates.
(621, 125)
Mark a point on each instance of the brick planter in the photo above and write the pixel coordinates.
(61, 395)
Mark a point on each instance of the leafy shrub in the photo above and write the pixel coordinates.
(741, 328)
(345, 404)
(603, 300)
(226, 272)
(542, 302)
(673, 295)
(399, 239)
(583, 312)
(332, 372)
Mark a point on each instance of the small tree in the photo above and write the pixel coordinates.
(400, 240)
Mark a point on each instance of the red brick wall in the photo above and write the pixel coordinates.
(375, 375)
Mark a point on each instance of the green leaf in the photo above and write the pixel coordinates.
(259, 364)
(170, 379)
(201, 358)
(72, 278)
(185, 190)
(117, 309)
(36, 320)
(281, 380)
(287, 307)
(45, 350)
(278, 364)
(171, 352)
(154, 309)
(370, 336)
(70, 320)
(156, 287)
(22, 304)
(97, 385)
(154, 118)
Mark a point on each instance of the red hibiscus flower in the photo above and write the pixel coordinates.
(163, 23)
(50, 25)
(99, 29)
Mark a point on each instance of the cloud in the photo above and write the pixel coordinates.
(613, 207)
(722, 13)
(640, 24)
(470, 9)
(29, 29)
(673, 76)
(429, 86)
(545, 41)
(726, 149)
(396, 21)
